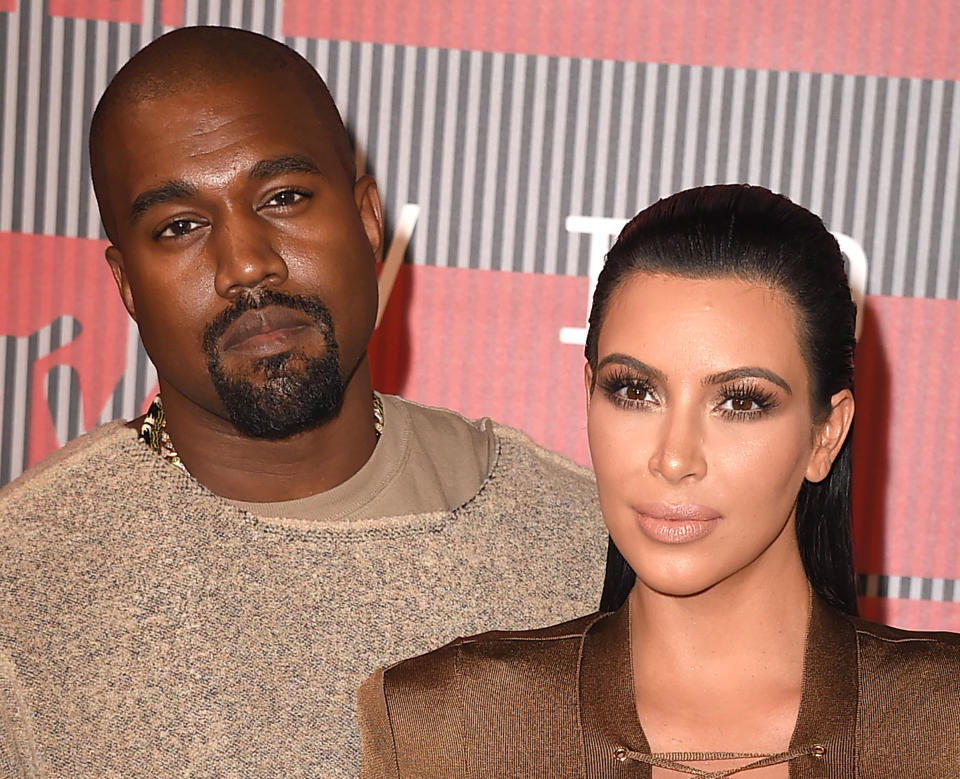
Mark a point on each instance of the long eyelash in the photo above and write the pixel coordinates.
(762, 398)
(614, 381)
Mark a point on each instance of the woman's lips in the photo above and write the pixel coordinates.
(678, 523)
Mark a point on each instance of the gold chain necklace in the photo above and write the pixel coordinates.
(154, 433)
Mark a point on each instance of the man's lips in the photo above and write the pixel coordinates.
(268, 321)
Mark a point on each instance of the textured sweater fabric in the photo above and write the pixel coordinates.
(148, 627)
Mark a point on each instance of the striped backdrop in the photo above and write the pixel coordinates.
(499, 134)
(497, 149)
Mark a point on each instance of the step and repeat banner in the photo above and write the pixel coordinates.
(510, 141)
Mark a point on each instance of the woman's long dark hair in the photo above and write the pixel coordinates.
(749, 233)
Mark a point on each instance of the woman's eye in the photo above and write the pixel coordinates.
(743, 406)
(635, 393)
(177, 228)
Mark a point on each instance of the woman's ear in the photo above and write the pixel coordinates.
(587, 382)
(830, 435)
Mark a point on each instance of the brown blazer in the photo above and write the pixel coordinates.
(877, 703)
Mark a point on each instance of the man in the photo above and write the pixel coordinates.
(200, 592)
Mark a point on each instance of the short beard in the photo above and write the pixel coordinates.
(298, 393)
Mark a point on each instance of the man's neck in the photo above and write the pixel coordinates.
(259, 470)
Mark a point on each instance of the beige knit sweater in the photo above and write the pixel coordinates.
(149, 628)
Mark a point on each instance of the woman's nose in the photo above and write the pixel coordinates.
(678, 452)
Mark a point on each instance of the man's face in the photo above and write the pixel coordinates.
(244, 250)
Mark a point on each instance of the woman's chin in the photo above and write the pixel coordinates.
(682, 583)
(679, 592)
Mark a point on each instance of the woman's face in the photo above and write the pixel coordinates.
(701, 429)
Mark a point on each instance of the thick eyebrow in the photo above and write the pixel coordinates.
(617, 358)
(171, 190)
(168, 190)
(285, 163)
(750, 372)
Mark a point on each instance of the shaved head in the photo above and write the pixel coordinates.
(194, 58)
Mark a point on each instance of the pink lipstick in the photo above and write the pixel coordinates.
(678, 523)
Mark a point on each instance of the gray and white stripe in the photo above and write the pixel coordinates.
(62, 390)
(497, 149)
(17, 355)
(909, 587)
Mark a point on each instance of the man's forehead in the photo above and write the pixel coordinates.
(206, 145)
(218, 121)
(206, 99)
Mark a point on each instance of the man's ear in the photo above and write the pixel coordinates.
(830, 435)
(115, 260)
(367, 198)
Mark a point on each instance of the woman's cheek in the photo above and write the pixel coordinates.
(766, 457)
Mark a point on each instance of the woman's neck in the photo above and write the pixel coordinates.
(731, 620)
(731, 654)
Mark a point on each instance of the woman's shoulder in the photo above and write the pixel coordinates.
(909, 687)
(908, 665)
(469, 703)
(485, 652)
(889, 649)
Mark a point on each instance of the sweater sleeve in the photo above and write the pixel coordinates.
(378, 752)
(18, 758)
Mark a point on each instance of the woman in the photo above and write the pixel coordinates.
(719, 379)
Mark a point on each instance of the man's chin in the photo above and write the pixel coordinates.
(280, 406)
(263, 430)
(280, 420)
(280, 395)
(261, 368)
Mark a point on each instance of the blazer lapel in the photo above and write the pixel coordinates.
(608, 715)
(828, 701)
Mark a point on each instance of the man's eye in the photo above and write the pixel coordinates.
(177, 228)
(286, 198)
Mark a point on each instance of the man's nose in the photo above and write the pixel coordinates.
(245, 256)
(678, 452)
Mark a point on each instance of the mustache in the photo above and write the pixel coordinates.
(253, 300)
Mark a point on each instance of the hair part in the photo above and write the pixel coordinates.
(749, 233)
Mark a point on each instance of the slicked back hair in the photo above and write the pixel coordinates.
(749, 233)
